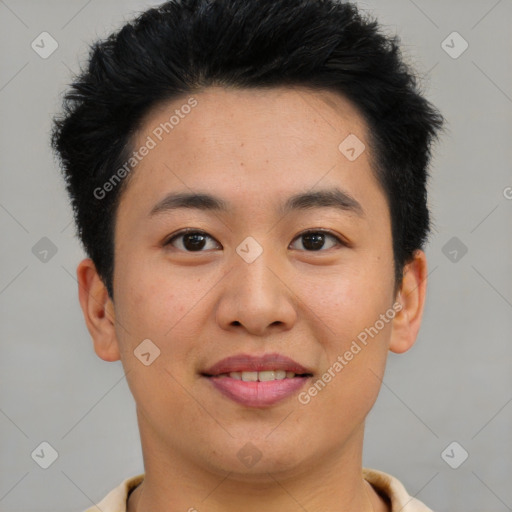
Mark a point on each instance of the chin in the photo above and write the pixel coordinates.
(251, 459)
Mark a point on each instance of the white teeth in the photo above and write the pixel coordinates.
(266, 375)
(263, 376)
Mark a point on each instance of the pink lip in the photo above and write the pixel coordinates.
(249, 363)
(257, 394)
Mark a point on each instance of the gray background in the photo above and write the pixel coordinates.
(455, 384)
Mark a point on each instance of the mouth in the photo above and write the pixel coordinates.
(262, 376)
(257, 381)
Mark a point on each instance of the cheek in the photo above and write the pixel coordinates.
(347, 388)
(352, 301)
(151, 301)
(160, 307)
(153, 309)
(356, 338)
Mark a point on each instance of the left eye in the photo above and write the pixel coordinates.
(315, 240)
(195, 241)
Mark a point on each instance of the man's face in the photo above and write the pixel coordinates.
(257, 280)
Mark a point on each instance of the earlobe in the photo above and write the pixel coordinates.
(411, 296)
(98, 310)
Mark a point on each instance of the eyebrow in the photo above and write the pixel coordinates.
(327, 198)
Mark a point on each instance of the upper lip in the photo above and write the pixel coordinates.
(251, 363)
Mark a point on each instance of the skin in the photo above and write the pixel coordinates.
(254, 149)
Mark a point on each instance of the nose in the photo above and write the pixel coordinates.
(257, 297)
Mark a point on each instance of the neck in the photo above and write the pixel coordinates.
(173, 483)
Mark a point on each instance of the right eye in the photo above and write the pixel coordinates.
(191, 240)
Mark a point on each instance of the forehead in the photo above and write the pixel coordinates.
(300, 112)
(249, 143)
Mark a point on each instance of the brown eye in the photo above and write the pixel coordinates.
(189, 240)
(316, 240)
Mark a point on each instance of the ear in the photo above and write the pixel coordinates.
(411, 296)
(98, 310)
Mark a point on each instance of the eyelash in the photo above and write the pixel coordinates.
(199, 232)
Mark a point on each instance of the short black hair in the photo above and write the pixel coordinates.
(184, 46)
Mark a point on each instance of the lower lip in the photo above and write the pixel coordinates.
(257, 394)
